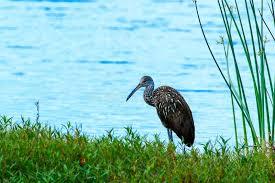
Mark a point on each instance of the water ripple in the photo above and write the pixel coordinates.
(119, 28)
(18, 73)
(25, 47)
(83, 61)
(177, 30)
(131, 25)
(118, 62)
(57, 15)
(56, 1)
(201, 91)
(7, 28)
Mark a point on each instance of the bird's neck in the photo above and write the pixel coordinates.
(148, 94)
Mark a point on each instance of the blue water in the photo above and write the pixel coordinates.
(81, 58)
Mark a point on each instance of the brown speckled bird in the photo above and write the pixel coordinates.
(171, 107)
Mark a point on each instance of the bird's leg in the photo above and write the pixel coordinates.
(182, 143)
(168, 132)
(184, 150)
(170, 135)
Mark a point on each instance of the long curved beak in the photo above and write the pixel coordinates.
(132, 93)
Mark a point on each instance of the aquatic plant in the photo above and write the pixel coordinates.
(247, 31)
(33, 152)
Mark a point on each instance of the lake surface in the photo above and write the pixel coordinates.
(82, 58)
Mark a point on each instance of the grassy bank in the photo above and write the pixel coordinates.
(32, 152)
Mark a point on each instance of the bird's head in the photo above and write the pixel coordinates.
(144, 82)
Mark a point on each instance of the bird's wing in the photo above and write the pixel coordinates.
(169, 103)
(174, 112)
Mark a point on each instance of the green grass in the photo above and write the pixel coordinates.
(39, 153)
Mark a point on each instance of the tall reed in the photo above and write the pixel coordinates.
(250, 28)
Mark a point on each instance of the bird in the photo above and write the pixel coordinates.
(172, 109)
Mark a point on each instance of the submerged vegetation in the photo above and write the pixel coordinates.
(247, 33)
(36, 152)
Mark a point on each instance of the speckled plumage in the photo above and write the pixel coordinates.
(171, 107)
(174, 113)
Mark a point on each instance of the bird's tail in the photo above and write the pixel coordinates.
(188, 133)
(190, 137)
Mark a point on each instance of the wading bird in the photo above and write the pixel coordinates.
(171, 107)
